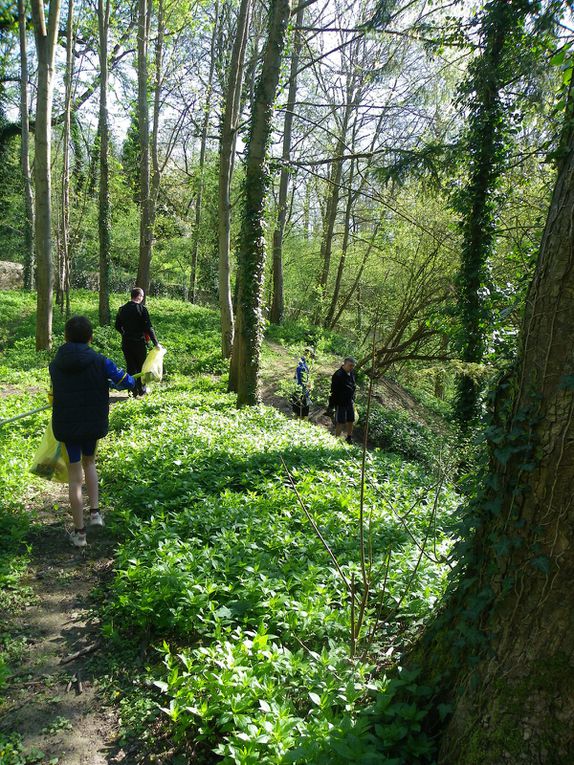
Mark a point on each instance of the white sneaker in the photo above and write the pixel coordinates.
(96, 519)
(78, 538)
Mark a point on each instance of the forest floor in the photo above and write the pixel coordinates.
(53, 701)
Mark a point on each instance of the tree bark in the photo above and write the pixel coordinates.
(344, 247)
(25, 153)
(278, 301)
(516, 704)
(63, 282)
(226, 154)
(104, 212)
(46, 37)
(331, 209)
(146, 233)
(202, 151)
(251, 252)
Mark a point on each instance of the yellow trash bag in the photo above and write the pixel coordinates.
(51, 459)
(152, 369)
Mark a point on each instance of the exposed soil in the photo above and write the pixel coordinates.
(52, 699)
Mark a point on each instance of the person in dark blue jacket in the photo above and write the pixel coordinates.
(80, 410)
(301, 398)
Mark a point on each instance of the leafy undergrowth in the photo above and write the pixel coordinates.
(221, 586)
(247, 614)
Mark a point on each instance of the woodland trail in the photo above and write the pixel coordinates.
(53, 700)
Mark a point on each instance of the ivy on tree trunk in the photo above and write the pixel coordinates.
(251, 250)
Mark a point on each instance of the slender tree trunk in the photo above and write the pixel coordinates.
(307, 212)
(344, 247)
(331, 209)
(46, 37)
(356, 284)
(251, 260)
(25, 153)
(104, 212)
(516, 597)
(64, 244)
(146, 232)
(202, 151)
(227, 151)
(156, 169)
(278, 301)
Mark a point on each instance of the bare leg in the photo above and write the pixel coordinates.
(350, 428)
(91, 480)
(338, 428)
(75, 493)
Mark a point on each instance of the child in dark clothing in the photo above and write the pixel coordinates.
(80, 391)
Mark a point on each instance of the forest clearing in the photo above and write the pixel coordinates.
(335, 523)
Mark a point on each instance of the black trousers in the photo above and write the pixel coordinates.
(135, 352)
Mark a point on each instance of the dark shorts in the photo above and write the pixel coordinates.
(83, 449)
(345, 413)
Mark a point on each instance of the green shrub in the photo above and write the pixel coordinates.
(395, 431)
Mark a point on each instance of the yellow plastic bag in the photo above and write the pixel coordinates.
(152, 369)
(51, 459)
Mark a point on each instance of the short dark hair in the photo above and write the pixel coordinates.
(78, 329)
(137, 291)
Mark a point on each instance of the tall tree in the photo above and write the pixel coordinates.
(278, 301)
(513, 610)
(46, 36)
(25, 152)
(501, 39)
(202, 152)
(251, 249)
(146, 227)
(226, 156)
(104, 214)
(63, 280)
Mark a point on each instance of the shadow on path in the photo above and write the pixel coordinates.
(52, 699)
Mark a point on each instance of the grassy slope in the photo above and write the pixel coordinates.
(243, 619)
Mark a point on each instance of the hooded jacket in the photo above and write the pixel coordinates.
(81, 392)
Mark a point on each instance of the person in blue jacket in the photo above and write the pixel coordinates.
(301, 398)
(80, 411)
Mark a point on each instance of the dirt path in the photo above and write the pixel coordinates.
(53, 702)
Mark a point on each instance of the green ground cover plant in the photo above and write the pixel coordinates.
(245, 620)
(224, 575)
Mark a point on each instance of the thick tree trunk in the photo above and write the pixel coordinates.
(202, 152)
(104, 213)
(516, 704)
(45, 37)
(278, 301)
(146, 226)
(226, 154)
(25, 153)
(251, 253)
(501, 34)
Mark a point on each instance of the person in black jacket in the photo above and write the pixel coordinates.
(80, 410)
(134, 325)
(342, 398)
